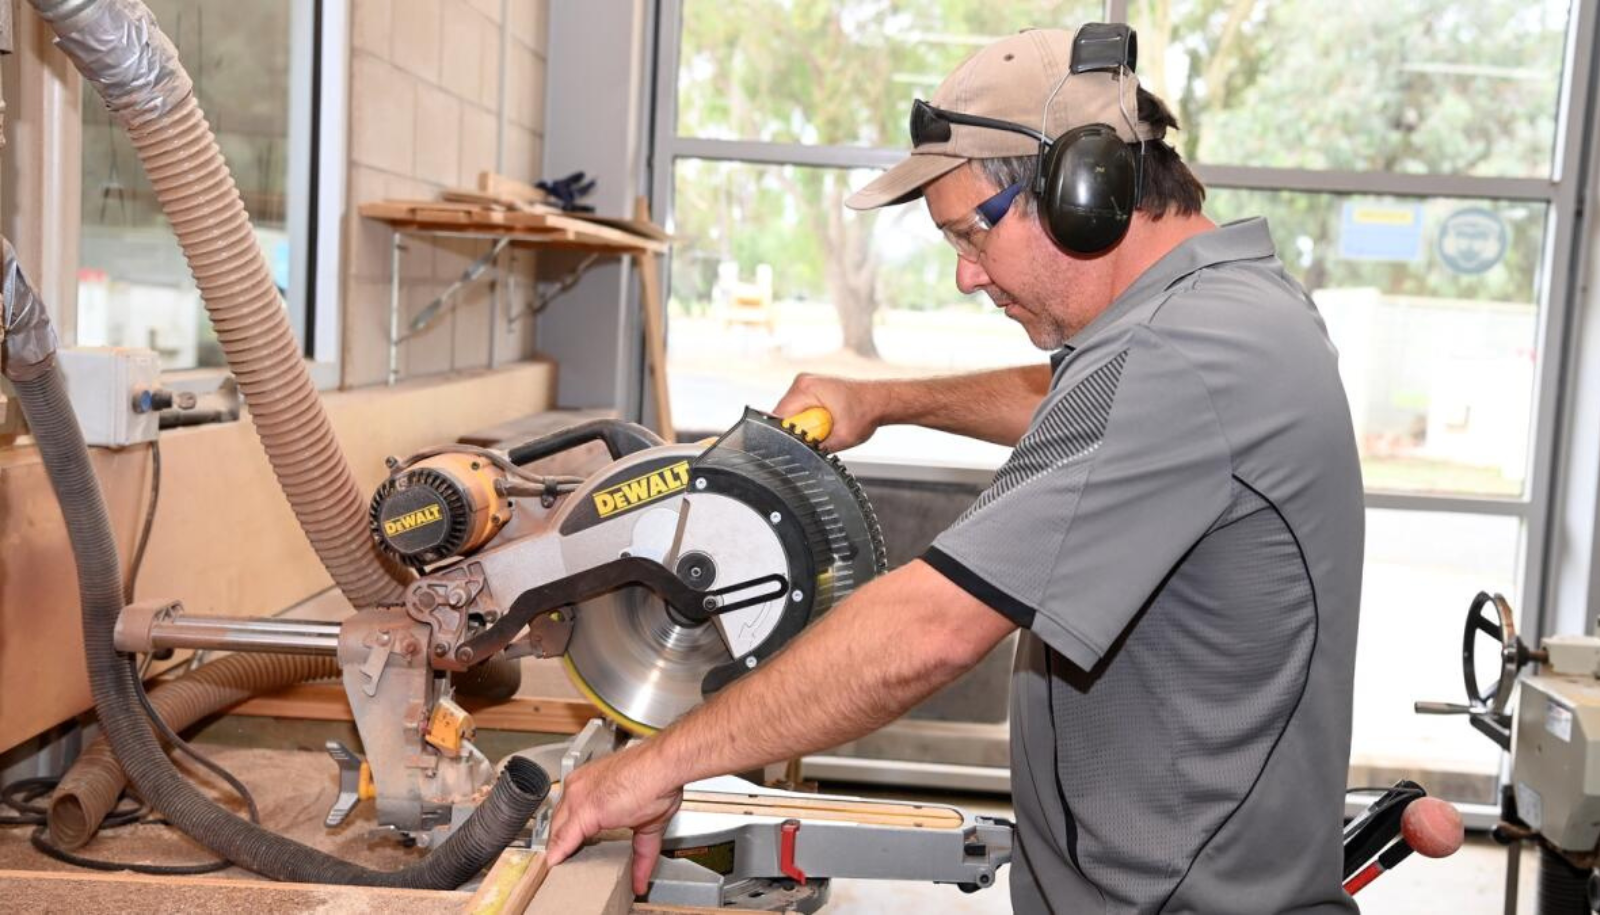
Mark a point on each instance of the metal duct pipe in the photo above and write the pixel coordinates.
(118, 47)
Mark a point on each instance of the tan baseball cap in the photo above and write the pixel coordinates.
(1010, 80)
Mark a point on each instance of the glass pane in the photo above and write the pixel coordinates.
(772, 276)
(1428, 86)
(1422, 571)
(834, 71)
(1433, 304)
(134, 288)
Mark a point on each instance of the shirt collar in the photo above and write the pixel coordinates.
(1246, 239)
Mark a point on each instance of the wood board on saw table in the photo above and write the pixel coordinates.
(327, 702)
(135, 894)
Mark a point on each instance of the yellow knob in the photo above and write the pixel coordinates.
(367, 790)
(814, 422)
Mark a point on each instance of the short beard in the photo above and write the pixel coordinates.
(1048, 335)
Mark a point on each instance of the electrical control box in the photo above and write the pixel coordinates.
(113, 391)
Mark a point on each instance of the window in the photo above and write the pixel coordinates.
(134, 288)
(1413, 161)
(780, 109)
(1407, 157)
(1426, 86)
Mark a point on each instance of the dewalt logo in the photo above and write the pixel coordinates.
(640, 490)
(410, 521)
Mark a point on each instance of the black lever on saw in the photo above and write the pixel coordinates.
(688, 606)
(620, 439)
(712, 604)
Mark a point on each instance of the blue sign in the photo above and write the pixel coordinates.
(1380, 232)
(280, 264)
(1473, 240)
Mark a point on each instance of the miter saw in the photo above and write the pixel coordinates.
(658, 580)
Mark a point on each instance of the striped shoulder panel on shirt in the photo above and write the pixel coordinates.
(1072, 427)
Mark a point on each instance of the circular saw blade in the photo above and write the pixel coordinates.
(635, 664)
(644, 671)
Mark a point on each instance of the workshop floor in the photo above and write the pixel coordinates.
(295, 788)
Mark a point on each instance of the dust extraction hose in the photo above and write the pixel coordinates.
(41, 389)
(497, 821)
(118, 47)
(90, 789)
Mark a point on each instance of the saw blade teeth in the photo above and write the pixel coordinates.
(880, 550)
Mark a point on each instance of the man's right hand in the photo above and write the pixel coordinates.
(853, 405)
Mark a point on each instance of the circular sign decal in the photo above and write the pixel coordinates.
(1473, 240)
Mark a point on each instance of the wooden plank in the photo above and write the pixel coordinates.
(655, 331)
(839, 816)
(511, 884)
(498, 185)
(803, 806)
(78, 892)
(465, 195)
(573, 223)
(327, 702)
(642, 227)
(595, 881)
(535, 226)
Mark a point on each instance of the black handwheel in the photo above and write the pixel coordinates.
(1513, 654)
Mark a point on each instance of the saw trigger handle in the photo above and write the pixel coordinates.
(620, 438)
(813, 422)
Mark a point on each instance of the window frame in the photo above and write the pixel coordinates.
(1561, 192)
(318, 100)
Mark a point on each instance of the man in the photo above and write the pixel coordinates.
(1178, 533)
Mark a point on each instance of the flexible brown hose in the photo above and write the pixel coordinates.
(198, 195)
(91, 787)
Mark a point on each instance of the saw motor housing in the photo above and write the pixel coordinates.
(440, 507)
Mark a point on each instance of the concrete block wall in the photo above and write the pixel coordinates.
(425, 104)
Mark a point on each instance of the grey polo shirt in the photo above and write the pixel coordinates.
(1179, 534)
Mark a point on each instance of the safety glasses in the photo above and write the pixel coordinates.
(932, 125)
(968, 234)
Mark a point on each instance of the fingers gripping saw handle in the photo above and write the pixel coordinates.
(814, 422)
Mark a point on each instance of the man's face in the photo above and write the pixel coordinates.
(1053, 294)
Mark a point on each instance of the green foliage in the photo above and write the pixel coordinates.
(1433, 86)
(1424, 86)
(821, 73)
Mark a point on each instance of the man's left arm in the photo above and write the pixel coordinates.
(888, 647)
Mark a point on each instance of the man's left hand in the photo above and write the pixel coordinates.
(623, 790)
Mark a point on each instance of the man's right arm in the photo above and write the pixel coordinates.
(994, 406)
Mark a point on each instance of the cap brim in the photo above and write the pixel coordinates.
(902, 183)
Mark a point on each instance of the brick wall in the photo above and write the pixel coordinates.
(424, 111)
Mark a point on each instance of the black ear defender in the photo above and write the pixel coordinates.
(1089, 179)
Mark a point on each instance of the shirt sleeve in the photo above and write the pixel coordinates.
(1123, 470)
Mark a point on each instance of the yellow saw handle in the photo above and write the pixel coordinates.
(814, 422)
